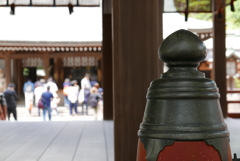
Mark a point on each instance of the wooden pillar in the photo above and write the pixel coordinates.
(58, 71)
(219, 56)
(19, 71)
(61, 73)
(16, 76)
(46, 63)
(107, 61)
(7, 68)
(137, 35)
(99, 71)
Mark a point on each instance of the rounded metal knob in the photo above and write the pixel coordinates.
(182, 46)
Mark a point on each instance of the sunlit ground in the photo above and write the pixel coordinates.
(63, 115)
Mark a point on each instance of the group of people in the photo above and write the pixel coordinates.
(44, 91)
(90, 94)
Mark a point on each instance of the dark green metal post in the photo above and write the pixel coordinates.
(183, 107)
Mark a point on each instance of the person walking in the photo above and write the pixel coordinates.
(53, 86)
(28, 90)
(100, 90)
(83, 100)
(3, 106)
(54, 102)
(85, 82)
(94, 99)
(38, 91)
(85, 92)
(73, 92)
(11, 97)
(66, 85)
(46, 98)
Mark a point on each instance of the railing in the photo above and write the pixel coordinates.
(233, 115)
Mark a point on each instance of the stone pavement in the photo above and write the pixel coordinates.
(63, 114)
(232, 123)
(234, 130)
(56, 141)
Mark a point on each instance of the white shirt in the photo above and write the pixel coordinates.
(53, 87)
(85, 83)
(73, 93)
(38, 93)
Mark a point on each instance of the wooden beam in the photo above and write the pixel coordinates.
(73, 54)
(107, 61)
(47, 68)
(2, 55)
(137, 34)
(15, 67)
(58, 72)
(219, 54)
(20, 55)
(19, 75)
(7, 67)
(234, 115)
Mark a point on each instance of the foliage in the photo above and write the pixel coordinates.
(237, 82)
(233, 18)
(201, 16)
(202, 6)
(194, 5)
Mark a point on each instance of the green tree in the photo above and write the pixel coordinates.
(233, 18)
(201, 16)
(193, 5)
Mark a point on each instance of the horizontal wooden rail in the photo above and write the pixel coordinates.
(233, 101)
(233, 115)
(235, 91)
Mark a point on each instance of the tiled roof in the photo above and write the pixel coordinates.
(50, 46)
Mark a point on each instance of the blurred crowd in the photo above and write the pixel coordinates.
(45, 95)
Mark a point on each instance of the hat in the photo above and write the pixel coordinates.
(12, 85)
(87, 75)
(42, 80)
(37, 84)
(73, 82)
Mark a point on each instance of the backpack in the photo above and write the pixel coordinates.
(28, 88)
(1, 110)
(40, 104)
(1, 100)
(2, 107)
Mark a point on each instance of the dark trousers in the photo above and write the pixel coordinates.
(45, 110)
(86, 105)
(73, 106)
(13, 111)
